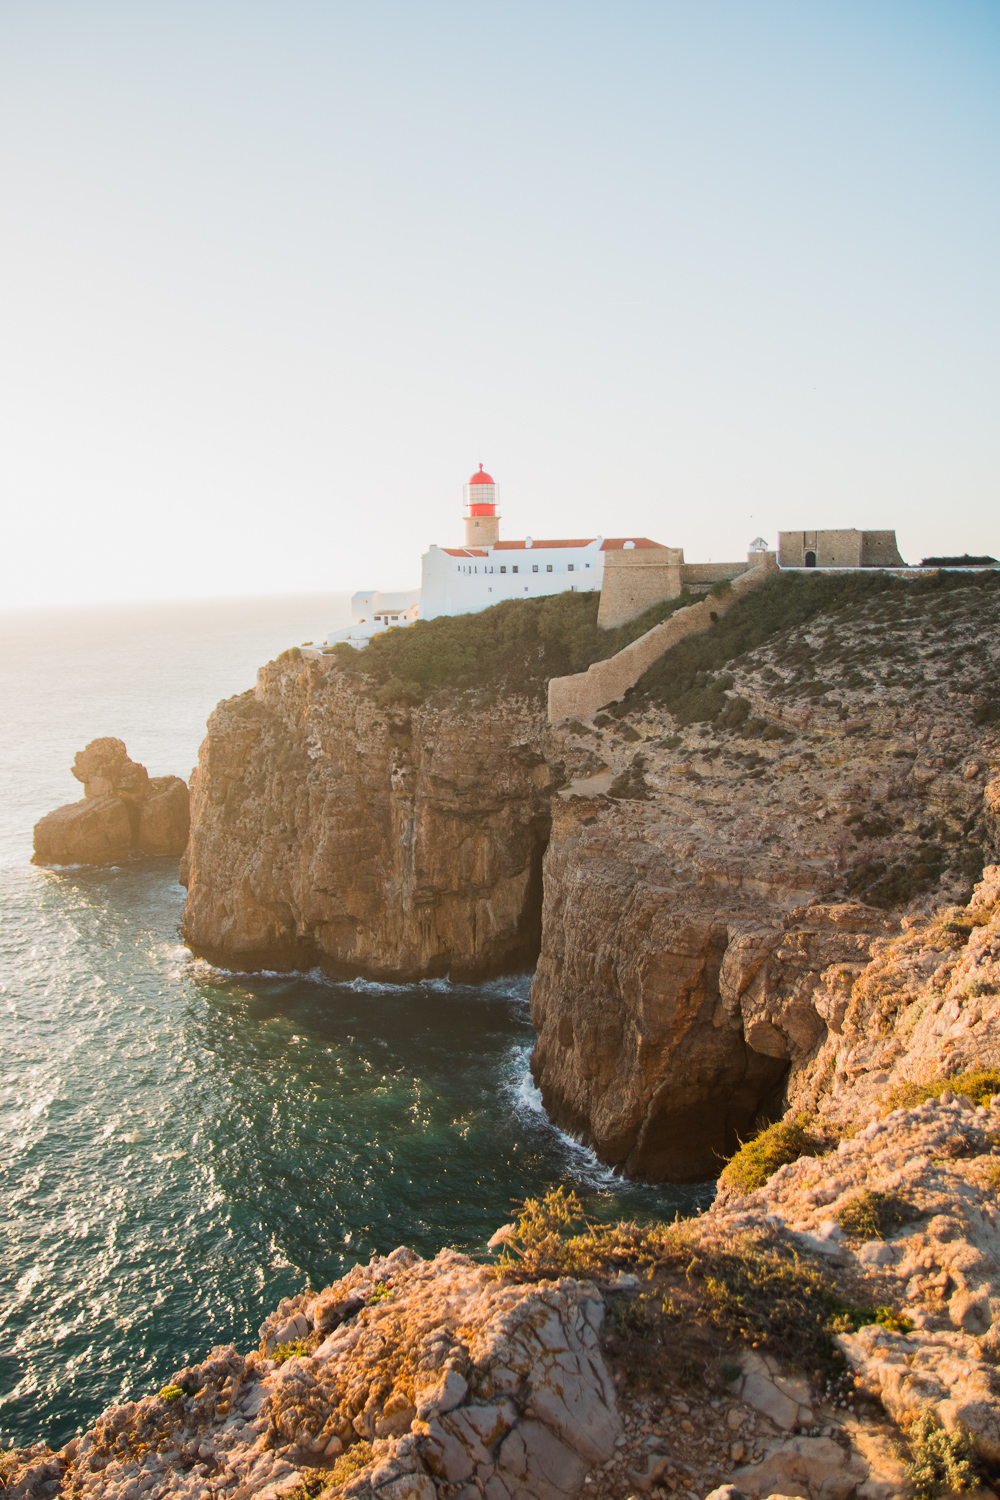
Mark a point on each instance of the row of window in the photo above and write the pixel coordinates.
(570, 568)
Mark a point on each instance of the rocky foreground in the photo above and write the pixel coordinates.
(123, 811)
(829, 1329)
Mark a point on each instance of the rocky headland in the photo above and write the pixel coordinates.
(829, 1329)
(123, 811)
(699, 874)
(763, 898)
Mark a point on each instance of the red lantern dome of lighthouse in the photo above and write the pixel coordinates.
(481, 495)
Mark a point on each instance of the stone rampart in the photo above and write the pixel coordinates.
(635, 579)
(582, 694)
(702, 575)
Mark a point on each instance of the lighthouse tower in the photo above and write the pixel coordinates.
(482, 524)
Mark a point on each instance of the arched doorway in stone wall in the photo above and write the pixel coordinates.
(810, 559)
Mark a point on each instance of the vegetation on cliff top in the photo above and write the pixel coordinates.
(751, 1288)
(514, 647)
(691, 679)
(761, 1156)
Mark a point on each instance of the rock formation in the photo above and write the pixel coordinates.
(716, 872)
(123, 811)
(712, 891)
(395, 841)
(407, 1381)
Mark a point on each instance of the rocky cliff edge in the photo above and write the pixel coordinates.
(397, 841)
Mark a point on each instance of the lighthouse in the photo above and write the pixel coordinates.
(482, 524)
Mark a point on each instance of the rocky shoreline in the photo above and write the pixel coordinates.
(697, 880)
(772, 908)
(830, 1328)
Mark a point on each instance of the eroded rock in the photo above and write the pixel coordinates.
(123, 810)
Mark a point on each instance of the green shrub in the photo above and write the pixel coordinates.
(759, 1158)
(978, 1085)
(171, 1393)
(514, 646)
(941, 1463)
(397, 691)
(871, 1216)
(289, 1351)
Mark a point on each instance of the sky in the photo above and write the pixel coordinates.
(277, 275)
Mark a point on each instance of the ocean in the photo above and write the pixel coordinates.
(180, 1146)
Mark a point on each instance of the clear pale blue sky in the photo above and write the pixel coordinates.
(277, 276)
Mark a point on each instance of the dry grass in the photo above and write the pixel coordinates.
(747, 1289)
(979, 1084)
(761, 1156)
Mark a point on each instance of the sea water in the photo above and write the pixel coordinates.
(180, 1147)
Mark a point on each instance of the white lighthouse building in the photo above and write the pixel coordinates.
(465, 580)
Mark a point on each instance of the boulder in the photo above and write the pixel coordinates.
(96, 831)
(123, 811)
(164, 817)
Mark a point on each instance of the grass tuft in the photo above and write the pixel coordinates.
(978, 1085)
(871, 1216)
(941, 1463)
(761, 1156)
(753, 1289)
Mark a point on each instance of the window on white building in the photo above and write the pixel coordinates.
(514, 568)
(548, 567)
(569, 567)
(503, 570)
(534, 567)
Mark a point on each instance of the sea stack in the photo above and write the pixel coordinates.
(124, 810)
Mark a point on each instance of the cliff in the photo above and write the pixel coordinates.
(721, 853)
(829, 1330)
(123, 811)
(731, 847)
(395, 840)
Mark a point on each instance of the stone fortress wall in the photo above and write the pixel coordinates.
(584, 693)
(635, 579)
(838, 549)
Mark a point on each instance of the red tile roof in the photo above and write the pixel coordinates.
(610, 544)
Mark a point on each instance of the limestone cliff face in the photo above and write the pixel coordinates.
(711, 899)
(397, 842)
(665, 1008)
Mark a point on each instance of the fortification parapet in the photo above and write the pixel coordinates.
(584, 693)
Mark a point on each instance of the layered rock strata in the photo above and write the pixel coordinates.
(408, 1380)
(123, 811)
(711, 893)
(393, 841)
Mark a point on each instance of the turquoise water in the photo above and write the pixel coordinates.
(180, 1147)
